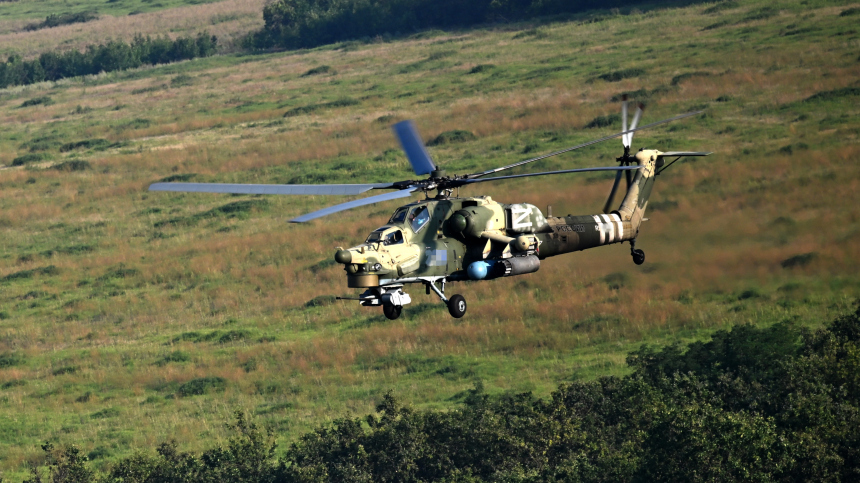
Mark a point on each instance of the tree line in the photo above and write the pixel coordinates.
(780, 403)
(309, 23)
(108, 57)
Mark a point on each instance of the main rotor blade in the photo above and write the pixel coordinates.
(608, 204)
(414, 148)
(461, 182)
(270, 189)
(613, 136)
(355, 204)
(683, 153)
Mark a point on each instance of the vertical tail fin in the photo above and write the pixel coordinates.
(636, 200)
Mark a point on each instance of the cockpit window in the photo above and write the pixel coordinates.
(418, 218)
(399, 216)
(376, 235)
(393, 238)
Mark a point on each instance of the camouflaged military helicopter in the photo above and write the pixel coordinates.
(443, 239)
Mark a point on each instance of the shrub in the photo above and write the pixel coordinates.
(175, 356)
(9, 359)
(763, 404)
(85, 144)
(321, 301)
(177, 178)
(29, 158)
(37, 101)
(55, 20)
(111, 56)
(689, 75)
(621, 75)
(73, 165)
(25, 274)
(481, 68)
(834, 95)
(323, 69)
(13, 383)
(448, 137)
(604, 121)
(798, 260)
(64, 370)
(180, 80)
(202, 385)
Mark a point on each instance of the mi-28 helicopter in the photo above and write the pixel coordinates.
(443, 239)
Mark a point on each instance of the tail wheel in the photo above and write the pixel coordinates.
(638, 257)
(391, 312)
(457, 306)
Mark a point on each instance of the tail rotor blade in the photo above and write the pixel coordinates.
(624, 140)
(414, 148)
(636, 118)
(629, 176)
(607, 207)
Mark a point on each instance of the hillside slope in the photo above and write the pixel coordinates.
(129, 317)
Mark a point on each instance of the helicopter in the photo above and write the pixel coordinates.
(443, 238)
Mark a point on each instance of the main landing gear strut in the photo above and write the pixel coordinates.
(638, 255)
(392, 298)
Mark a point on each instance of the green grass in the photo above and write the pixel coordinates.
(116, 300)
(16, 10)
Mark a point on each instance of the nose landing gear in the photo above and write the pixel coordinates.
(391, 312)
(392, 298)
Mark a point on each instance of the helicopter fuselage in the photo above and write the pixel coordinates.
(429, 239)
(477, 238)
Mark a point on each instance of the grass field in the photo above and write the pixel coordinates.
(229, 20)
(129, 317)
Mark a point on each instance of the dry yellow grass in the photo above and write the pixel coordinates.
(228, 20)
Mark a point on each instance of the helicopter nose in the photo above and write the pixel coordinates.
(343, 256)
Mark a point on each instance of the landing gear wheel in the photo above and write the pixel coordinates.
(391, 312)
(638, 257)
(457, 306)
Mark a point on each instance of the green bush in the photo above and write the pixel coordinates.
(29, 158)
(111, 56)
(55, 20)
(774, 403)
(448, 137)
(37, 101)
(622, 74)
(202, 385)
(9, 359)
(73, 165)
(605, 121)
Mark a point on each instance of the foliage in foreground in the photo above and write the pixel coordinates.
(772, 404)
(111, 56)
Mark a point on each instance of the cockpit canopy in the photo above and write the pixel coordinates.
(386, 235)
(415, 216)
